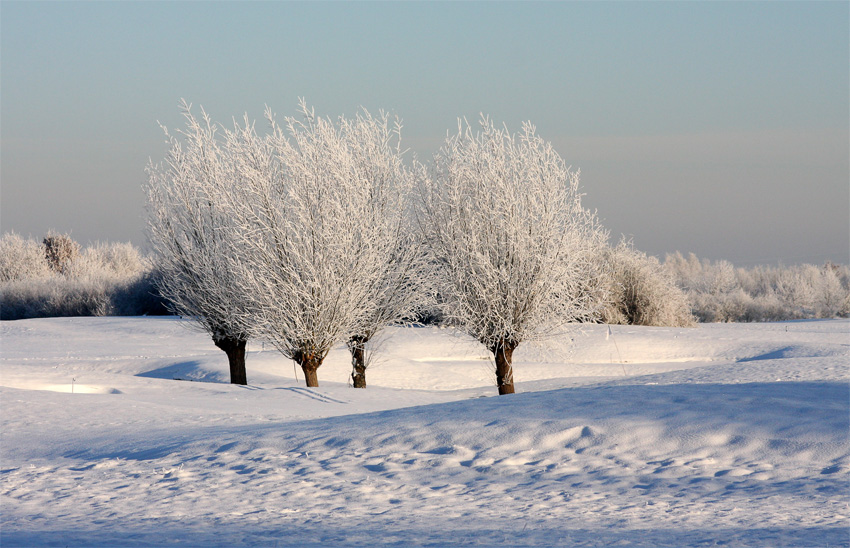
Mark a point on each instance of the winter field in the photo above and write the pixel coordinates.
(125, 432)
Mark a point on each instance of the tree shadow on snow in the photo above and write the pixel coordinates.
(185, 371)
(371, 531)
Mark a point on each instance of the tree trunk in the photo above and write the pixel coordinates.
(503, 351)
(357, 346)
(235, 349)
(309, 365)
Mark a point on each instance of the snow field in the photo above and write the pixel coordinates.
(720, 434)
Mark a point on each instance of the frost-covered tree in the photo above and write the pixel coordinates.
(400, 284)
(833, 299)
(318, 220)
(188, 229)
(511, 243)
(402, 288)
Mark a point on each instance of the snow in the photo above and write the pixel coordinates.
(723, 434)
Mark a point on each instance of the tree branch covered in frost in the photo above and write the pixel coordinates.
(318, 220)
(511, 243)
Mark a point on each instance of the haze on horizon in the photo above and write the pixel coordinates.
(721, 129)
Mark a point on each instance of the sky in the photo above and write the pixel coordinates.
(718, 128)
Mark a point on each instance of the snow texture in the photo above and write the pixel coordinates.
(124, 432)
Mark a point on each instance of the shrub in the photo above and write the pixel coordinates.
(114, 260)
(60, 251)
(639, 291)
(22, 259)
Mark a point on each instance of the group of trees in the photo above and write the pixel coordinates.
(300, 237)
(720, 292)
(56, 276)
(316, 233)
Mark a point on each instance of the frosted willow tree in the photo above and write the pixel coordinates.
(400, 290)
(398, 285)
(511, 244)
(187, 229)
(318, 227)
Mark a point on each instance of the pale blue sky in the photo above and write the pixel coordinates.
(719, 128)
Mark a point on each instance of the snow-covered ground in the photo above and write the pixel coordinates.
(731, 435)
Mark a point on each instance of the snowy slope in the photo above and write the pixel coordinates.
(720, 434)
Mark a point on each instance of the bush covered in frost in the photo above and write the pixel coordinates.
(60, 250)
(640, 291)
(719, 292)
(22, 259)
(57, 277)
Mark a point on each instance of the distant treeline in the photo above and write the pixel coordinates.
(720, 292)
(58, 277)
